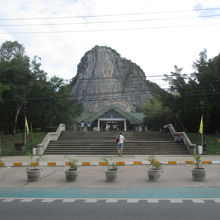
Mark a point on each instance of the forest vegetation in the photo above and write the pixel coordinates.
(26, 89)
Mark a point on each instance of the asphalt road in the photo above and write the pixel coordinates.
(122, 209)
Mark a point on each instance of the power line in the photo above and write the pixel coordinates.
(112, 15)
(131, 77)
(110, 30)
(106, 22)
(126, 95)
(117, 77)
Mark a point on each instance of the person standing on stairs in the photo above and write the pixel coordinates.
(120, 143)
(82, 126)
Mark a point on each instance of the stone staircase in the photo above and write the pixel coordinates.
(103, 143)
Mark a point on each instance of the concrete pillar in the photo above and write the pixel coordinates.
(98, 124)
(125, 125)
(74, 127)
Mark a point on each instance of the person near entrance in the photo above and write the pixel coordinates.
(82, 126)
(88, 126)
(107, 127)
(120, 143)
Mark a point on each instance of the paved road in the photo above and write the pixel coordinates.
(101, 209)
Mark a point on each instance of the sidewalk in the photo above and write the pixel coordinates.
(131, 176)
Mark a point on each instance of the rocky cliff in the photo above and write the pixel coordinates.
(104, 78)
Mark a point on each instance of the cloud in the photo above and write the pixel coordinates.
(158, 34)
(208, 12)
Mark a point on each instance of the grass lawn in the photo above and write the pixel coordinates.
(7, 144)
(213, 146)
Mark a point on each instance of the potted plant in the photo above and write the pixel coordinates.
(198, 172)
(154, 172)
(111, 173)
(33, 172)
(71, 174)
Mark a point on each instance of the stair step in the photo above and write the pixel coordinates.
(101, 143)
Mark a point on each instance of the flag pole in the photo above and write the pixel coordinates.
(25, 120)
(202, 139)
(25, 136)
(31, 132)
(201, 130)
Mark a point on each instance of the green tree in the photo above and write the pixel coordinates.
(207, 77)
(25, 88)
(186, 105)
(15, 73)
(3, 88)
(197, 94)
(156, 115)
(10, 51)
(50, 103)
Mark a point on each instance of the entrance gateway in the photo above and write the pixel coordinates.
(111, 118)
(112, 124)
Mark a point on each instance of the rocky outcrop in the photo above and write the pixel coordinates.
(105, 78)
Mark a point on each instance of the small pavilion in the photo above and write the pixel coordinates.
(112, 118)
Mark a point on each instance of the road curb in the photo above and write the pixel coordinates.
(98, 163)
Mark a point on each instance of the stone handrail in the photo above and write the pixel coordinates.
(191, 148)
(51, 136)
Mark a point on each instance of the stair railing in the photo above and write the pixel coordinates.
(191, 148)
(51, 136)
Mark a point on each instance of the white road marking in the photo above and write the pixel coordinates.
(217, 200)
(27, 200)
(91, 200)
(153, 200)
(198, 201)
(132, 200)
(48, 200)
(69, 200)
(8, 199)
(111, 200)
(176, 200)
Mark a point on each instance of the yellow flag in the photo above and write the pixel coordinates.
(201, 126)
(26, 126)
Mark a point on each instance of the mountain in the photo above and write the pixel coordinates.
(105, 78)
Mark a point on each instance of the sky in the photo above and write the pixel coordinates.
(154, 34)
